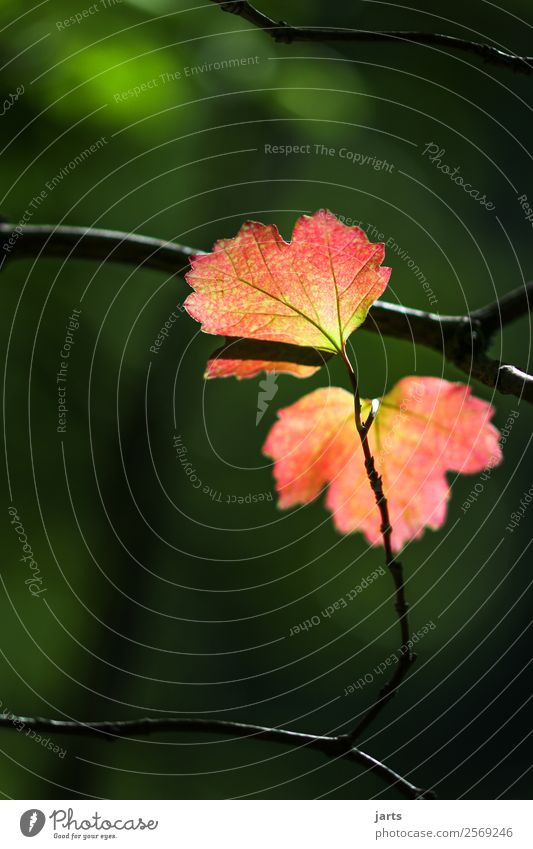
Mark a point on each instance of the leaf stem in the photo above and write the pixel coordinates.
(394, 566)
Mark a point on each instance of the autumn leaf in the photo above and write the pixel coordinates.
(424, 428)
(312, 292)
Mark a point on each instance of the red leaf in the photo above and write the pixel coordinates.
(424, 428)
(312, 292)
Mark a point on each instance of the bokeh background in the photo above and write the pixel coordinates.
(165, 600)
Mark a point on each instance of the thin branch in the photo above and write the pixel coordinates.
(334, 747)
(283, 32)
(407, 658)
(462, 340)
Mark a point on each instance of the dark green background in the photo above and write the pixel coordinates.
(160, 600)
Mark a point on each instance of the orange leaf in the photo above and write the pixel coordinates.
(312, 292)
(424, 427)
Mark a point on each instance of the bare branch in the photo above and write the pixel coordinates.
(334, 747)
(283, 32)
(462, 340)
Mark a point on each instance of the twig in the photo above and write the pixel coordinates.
(508, 308)
(407, 658)
(462, 340)
(334, 747)
(284, 32)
